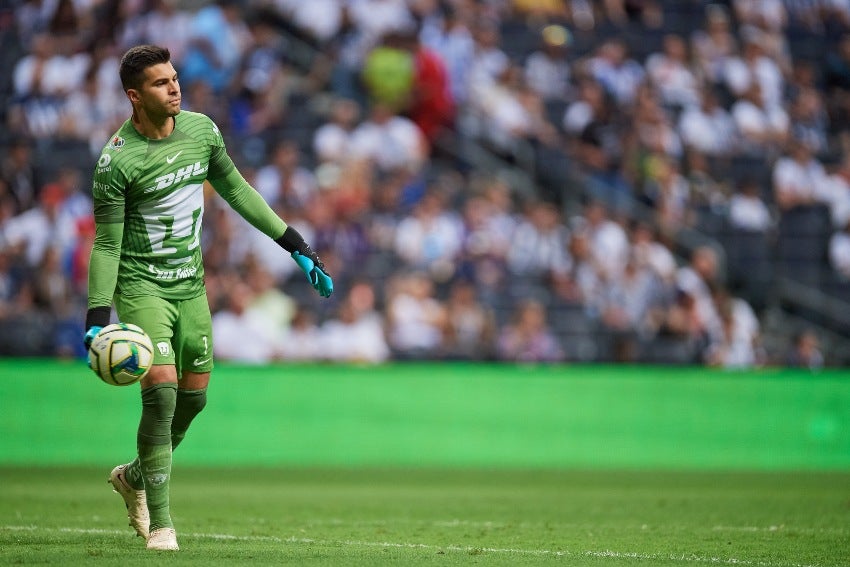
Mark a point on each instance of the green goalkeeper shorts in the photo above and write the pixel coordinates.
(181, 330)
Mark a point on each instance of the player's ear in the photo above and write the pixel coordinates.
(133, 95)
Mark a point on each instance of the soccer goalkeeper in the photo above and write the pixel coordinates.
(148, 205)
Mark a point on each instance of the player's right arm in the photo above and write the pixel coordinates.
(108, 195)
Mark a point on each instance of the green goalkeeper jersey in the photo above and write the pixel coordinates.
(148, 205)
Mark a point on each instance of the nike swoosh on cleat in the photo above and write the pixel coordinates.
(198, 362)
(174, 157)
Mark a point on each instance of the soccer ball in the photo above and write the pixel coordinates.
(121, 354)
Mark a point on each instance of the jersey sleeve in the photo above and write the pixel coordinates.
(103, 263)
(108, 193)
(245, 200)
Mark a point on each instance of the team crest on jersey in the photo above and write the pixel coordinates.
(116, 143)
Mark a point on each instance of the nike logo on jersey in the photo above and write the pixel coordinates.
(198, 362)
(170, 159)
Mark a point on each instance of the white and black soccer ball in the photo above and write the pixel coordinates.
(121, 354)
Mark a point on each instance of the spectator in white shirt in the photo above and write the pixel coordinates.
(747, 210)
(763, 129)
(431, 238)
(839, 252)
(391, 142)
(671, 75)
(799, 179)
(356, 334)
(619, 74)
(539, 245)
(332, 140)
(547, 70)
(708, 127)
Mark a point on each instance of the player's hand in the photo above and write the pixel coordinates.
(315, 272)
(87, 340)
(90, 335)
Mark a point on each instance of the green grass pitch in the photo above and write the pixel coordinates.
(397, 516)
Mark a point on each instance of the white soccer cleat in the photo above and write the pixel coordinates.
(135, 500)
(163, 539)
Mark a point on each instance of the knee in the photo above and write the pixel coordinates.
(192, 402)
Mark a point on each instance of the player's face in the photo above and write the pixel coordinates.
(159, 94)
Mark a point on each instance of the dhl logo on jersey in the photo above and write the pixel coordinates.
(169, 179)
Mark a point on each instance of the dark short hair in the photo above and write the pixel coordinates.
(136, 60)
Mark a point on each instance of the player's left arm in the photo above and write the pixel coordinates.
(108, 193)
(245, 200)
(103, 275)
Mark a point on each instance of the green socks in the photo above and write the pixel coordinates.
(154, 444)
(189, 404)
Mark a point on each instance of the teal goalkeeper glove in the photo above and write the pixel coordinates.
(87, 340)
(307, 260)
(315, 272)
(90, 335)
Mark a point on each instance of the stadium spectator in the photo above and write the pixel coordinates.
(671, 75)
(763, 129)
(599, 147)
(284, 181)
(653, 127)
(799, 179)
(618, 73)
(243, 335)
(301, 341)
(332, 140)
(432, 105)
(528, 338)
(447, 32)
(805, 351)
(430, 239)
(747, 209)
(547, 70)
(356, 334)
(694, 283)
(538, 248)
(217, 39)
(626, 307)
(668, 193)
(34, 231)
(416, 319)
(651, 254)
(755, 66)
(839, 252)
(736, 344)
(707, 127)
(714, 45)
(260, 85)
(321, 20)
(838, 193)
(470, 326)
(163, 22)
(20, 174)
(390, 141)
(809, 120)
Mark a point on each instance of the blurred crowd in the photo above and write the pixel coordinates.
(638, 102)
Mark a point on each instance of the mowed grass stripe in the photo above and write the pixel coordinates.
(688, 558)
(447, 517)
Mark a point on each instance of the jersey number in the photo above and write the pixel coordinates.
(173, 224)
